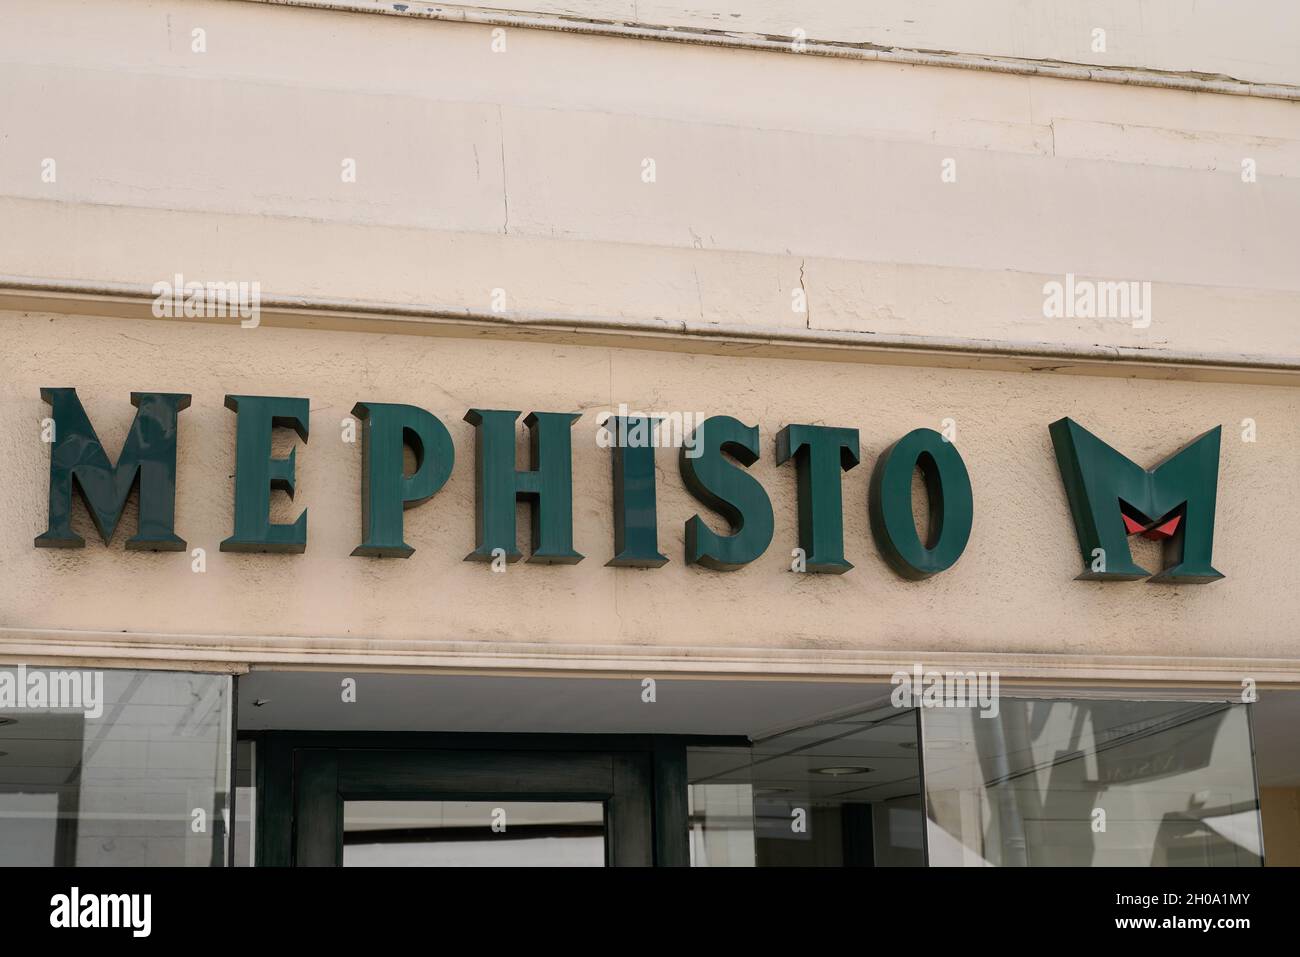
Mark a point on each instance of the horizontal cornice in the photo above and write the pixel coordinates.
(228, 653)
(125, 301)
(725, 39)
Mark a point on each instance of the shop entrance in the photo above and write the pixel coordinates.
(470, 800)
(474, 808)
(746, 773)
(449, 769)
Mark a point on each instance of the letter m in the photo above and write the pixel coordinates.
(1111, 497)
(147, 462)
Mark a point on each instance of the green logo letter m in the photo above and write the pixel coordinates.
(148, 460)
(1112, 497)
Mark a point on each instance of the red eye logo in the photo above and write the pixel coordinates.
(1155, 531)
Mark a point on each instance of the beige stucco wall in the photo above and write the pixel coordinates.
(1012, 592)
(521, 171)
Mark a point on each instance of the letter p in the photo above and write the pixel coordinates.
(386, 490)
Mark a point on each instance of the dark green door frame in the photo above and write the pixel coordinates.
(304, 776)
(326, 777)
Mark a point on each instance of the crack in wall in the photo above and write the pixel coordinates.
(807, 304)
(505, 187)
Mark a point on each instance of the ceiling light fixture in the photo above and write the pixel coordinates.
(842, 771)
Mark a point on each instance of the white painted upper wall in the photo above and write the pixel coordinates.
(775, 175)
(1252, 40)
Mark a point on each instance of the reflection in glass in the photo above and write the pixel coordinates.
(473, 834)
(245, 826)
(841, 793)
(838, 793)
(720, 807)
(139, 780)
(1156, 783)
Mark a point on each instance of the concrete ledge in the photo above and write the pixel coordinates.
(123, 301)
(240, 653)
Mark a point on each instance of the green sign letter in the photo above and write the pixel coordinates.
(728, 490)
(951, 505)
(1112, 497)
(636, 524)
(256, 473)
(148, 459)
(547, 487)
(819, 454)
(386, 491)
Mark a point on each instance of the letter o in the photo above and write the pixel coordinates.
(951, 506)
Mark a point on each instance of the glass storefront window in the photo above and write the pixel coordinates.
(838, 793)
(841, 793)
(1091, 783)
(720, 807)
(105, 767)
(245, 837)
(134, 768)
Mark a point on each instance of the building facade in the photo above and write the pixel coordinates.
(336, 528)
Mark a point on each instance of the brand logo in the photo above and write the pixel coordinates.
(1112, 497)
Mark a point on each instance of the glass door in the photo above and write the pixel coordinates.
(357, 807)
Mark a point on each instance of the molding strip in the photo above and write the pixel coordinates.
(239, 653)
(125, 301)
(1128, 76)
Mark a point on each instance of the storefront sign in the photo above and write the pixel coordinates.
(1110, 496)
